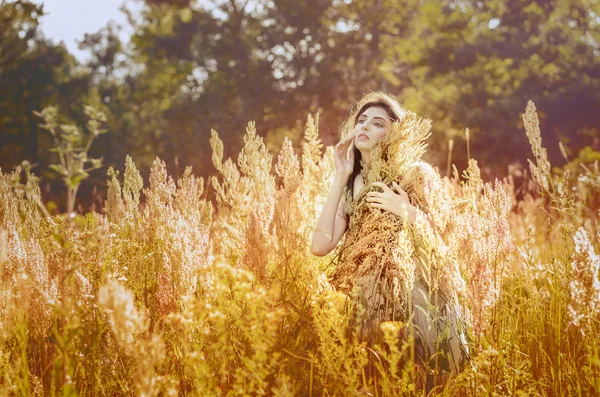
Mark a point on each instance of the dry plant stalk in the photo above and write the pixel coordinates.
(377, 254)
(176, 298)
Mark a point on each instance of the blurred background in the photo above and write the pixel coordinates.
(167, 72)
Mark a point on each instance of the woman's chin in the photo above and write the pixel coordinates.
(362, 144)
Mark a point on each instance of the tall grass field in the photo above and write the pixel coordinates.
(167, 293)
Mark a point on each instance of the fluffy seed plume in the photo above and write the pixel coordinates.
(585, 280)
(541, 170)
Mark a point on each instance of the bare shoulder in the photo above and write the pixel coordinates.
(425, 175)
(424, 169)
(425, 180)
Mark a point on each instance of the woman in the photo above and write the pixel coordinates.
(378, 196)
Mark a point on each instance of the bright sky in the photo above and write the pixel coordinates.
(68, 20)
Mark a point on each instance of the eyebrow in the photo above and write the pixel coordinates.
(380, 118)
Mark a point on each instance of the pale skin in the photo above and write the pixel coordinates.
(373, 123)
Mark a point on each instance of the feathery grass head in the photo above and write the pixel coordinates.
(263, 319)
(125, 319)
(400, 149)
(585, 280)
(540, 171)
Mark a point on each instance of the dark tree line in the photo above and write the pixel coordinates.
(192, 66)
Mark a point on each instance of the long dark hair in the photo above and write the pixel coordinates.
(372, 99)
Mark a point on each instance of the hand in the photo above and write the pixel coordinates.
(344, 157)
(396, 203)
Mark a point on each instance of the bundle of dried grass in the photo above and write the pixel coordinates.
(377, 256)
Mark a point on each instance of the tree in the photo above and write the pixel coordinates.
(475, 64)
(34, 73)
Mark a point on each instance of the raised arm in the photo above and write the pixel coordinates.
(332, 222)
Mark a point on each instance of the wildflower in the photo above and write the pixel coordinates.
(585, 282)
(123, 316)
(114, 204)
(132, 185)
(245, 203)
(288, 166)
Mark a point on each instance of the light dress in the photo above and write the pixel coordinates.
(391, 288)
(378, 265)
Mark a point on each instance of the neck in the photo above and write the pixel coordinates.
(365, 158)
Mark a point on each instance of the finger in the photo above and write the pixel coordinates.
(340, 148)
(376, 205)
(343, 141)
(344, 148)
(402, 192)
(399, 189)
(381, 185)
(375, 200)
(350, 150)
(397, 185)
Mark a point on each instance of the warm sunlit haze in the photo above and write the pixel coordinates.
(178, 218)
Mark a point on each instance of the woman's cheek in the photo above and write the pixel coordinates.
(379, 135)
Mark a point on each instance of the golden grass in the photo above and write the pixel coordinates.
(186, 297)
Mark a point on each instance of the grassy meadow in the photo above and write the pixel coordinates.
(168, 293)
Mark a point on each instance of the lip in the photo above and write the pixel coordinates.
(361, 135)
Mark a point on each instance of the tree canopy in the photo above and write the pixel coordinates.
(192, 66)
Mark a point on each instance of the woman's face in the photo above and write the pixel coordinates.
(371, 126)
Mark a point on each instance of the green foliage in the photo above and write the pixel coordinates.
(477, 62)
(34, 73)
(72, 148)
(194, 68)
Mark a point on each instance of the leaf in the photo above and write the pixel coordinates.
(59, 168)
